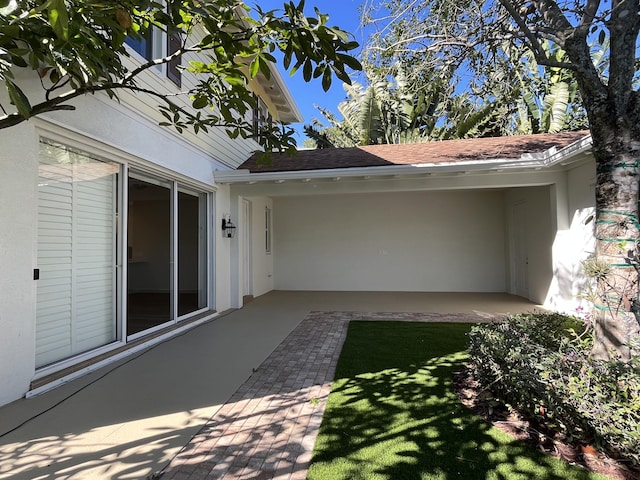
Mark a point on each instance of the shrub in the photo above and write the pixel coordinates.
(539, 364)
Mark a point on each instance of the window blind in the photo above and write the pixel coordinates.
(76, 292)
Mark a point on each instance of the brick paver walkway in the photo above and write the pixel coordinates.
(267, 429)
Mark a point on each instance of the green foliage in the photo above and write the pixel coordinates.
(399, 104)
(471, 61)
(392, 109)
(392, 414)
(540, 364)
(78, 47)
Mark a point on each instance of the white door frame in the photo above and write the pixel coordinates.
(247, 248)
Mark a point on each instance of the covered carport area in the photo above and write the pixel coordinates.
(447, 223)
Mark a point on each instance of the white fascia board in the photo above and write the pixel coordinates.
(544, 159)
(277, 78)
(242, 176)
(569, 153)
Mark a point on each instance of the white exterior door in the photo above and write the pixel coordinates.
(76, 290)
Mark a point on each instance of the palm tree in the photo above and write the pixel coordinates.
(547, 103)
(393, 110)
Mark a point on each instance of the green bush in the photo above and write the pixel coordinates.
(539, 364)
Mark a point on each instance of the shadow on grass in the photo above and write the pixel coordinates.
(392, 414)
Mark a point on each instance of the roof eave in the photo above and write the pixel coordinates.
(549, 158)
(280, 95)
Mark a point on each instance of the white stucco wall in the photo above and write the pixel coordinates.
(18, 223)
(574, 241)
(225, 253)
(113, 132)
(413, 241)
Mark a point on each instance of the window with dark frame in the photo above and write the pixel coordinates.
(174, 43)
(148, 46)
(143, 45)
(261, 117)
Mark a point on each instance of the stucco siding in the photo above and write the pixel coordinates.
(574, 241)
(414, 241)
(18, 208)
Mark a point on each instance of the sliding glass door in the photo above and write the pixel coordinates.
(83, 292)
(192, 251)
(78, 203)
(149, 253)
(168, 264)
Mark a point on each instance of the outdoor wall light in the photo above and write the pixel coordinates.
(228, 228)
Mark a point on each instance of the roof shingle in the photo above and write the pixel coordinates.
(446, 151)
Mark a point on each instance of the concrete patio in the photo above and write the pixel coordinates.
(238, 397)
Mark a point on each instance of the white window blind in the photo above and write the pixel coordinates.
(76, 292)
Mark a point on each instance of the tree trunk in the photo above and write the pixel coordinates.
(613, 108)
(616, 303)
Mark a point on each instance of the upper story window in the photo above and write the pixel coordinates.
(261, 117)
(149, 46)
(157, 44)
(143, 46)
(174, 42)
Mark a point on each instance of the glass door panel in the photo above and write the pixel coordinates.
(77, 229)
(149, 247)
(192, 251)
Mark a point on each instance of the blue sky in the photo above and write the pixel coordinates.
(342, 13)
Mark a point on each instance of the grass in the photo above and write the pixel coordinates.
(392, 414)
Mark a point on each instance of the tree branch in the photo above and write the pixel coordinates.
(589, 14)
(536, 47)
(624, 26)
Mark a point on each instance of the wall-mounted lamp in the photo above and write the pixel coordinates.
(228, 228)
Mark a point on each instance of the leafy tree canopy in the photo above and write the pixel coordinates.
(600, 55)
(399, 104)
(592, 43)
(77, 47)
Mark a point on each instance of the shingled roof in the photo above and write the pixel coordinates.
(447, 151)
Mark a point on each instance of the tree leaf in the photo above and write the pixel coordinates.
(254, 68)
(123, 18)
(264, 67)
(286, 60)
(350, 62)
(199, 102)
(326, 79)
(555, 107)
(307, 71)
(59, 18)
(19, 99)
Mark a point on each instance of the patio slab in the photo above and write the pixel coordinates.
(130, 419)
(268, 428)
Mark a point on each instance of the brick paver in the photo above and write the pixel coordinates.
(268, 428)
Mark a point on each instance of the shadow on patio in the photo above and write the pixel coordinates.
(129, 420)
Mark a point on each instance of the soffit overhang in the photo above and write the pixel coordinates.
(280, 97)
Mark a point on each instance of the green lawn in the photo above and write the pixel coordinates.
(392, 414)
